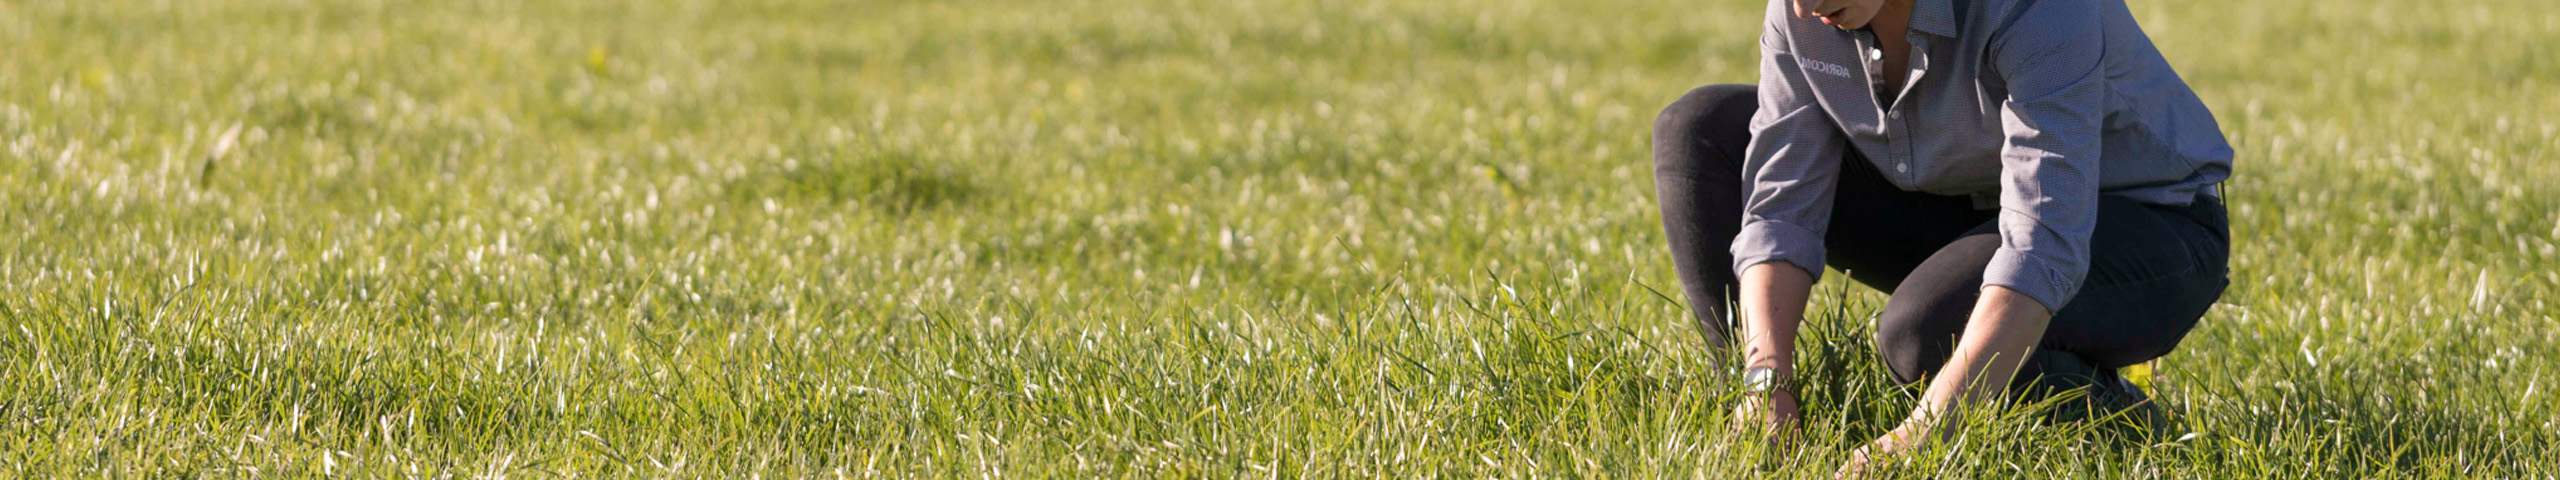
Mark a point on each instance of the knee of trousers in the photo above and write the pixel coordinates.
(1919, 327)
(1903, 354)
(1707, 109)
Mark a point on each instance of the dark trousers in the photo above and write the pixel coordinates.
(2153, 271)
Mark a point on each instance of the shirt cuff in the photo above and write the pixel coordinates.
(2042, 280)
(1767, 241)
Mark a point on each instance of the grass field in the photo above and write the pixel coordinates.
(1140, 238)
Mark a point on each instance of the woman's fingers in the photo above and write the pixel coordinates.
(1772, 419)
(1902, 439)
(1748, 414)
(1855, 468)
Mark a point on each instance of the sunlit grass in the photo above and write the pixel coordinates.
(1139, 238)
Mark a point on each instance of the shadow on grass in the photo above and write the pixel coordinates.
(900, 184)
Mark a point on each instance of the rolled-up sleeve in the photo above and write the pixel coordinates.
(1792, 166)
(2050, 62)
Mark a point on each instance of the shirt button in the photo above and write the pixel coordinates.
(1875, 54)
(1900, 167)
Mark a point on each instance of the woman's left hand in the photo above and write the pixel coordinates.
(1906, 438)
(2004, 326)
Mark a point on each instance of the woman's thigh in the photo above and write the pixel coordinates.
(2153, 272)
(1880, 233)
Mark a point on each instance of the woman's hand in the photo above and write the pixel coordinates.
(1844, 14)
(1906, 438)
(1771, 415)
(2003, 330)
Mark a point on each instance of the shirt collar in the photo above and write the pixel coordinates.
(1935, 17)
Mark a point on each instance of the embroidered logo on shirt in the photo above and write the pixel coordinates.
(1825, 67)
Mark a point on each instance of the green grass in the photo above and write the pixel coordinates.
(1139, 238)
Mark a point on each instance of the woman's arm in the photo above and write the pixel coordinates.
(2004, 329)
(2048, 209)
(1773, 301)
(1790, 169)
(2050, 59)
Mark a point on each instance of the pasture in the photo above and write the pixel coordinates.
(1141, 239)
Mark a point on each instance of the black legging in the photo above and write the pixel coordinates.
(2153, 269)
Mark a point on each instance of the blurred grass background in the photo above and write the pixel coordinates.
(1138, 238)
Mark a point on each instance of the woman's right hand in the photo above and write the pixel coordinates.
(1772, 416)
(1773, 300)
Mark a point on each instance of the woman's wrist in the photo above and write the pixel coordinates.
(1768, 356)
(1769, 375)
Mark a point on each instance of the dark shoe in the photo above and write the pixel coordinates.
(2125, 404)
(2080, 392)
